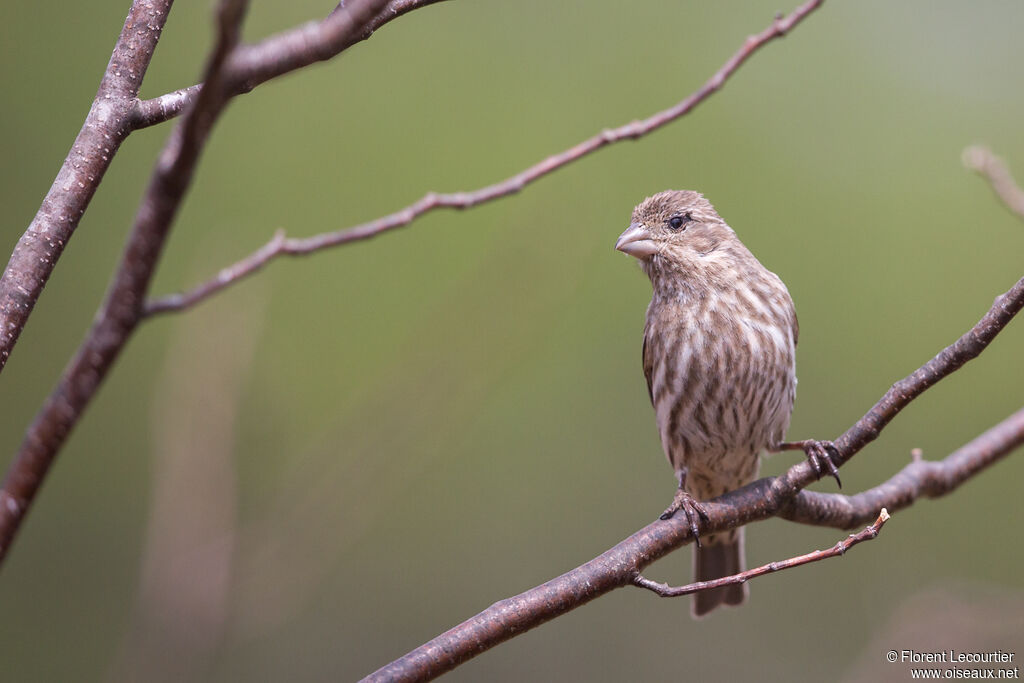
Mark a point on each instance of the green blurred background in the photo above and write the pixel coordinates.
(337, 460)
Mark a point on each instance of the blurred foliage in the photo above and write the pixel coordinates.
(455, 412)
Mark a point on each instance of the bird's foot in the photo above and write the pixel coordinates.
(823, 456)
(689, 506)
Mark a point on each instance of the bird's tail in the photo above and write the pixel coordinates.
(718, 557)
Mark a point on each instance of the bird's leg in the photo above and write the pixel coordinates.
(689, 505)
(821, 454)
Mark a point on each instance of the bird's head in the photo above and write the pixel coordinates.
(675, 230)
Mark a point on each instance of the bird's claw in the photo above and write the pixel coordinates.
(690, 507)
(823, 455)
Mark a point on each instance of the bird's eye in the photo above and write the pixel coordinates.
(677, 222)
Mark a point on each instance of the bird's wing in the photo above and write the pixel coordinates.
(648, 367)
(796, 329)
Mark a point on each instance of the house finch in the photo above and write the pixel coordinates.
(719, 357)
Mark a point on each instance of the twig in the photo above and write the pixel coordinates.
(618, 566)
(104, 129)
(275, 56)
(994, 170)
(840, 548)
(280, 245)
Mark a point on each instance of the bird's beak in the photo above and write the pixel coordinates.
(636, 241)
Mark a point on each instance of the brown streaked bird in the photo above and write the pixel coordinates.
(719, 355)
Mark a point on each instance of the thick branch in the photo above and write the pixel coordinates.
(275, 56)
(620, 565)
(105, 128)
(665, 591)
(281, 245)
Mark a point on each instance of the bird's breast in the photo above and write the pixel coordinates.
(721, 373)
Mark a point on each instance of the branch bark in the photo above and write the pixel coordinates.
(106, 126)
(281, 245)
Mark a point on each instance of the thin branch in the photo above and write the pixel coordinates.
(665, 591)
(105, 128)
(620, 565)
(994, 170)
(281, 245)
(276, 56)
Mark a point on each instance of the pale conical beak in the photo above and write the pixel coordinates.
(636, 241)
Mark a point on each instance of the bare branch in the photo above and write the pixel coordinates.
(994, 170)
(275, 56)
(920, 479)
(620, 565)
(104, 129)
(664, 590)
(280, 245)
